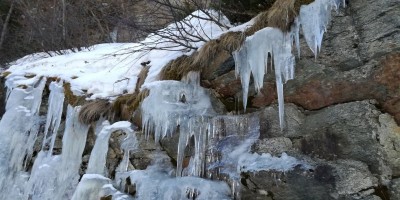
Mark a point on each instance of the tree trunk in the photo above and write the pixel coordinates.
(5, 25)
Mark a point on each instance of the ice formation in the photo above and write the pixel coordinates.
(18, 130)
(184, 107)
(97, 161)
(252, 57)
(158, 182)
(54, 112)
(56, 176)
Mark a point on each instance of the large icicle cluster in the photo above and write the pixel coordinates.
(56, 176)
(18, 130)
(252, 58)
(173, 104)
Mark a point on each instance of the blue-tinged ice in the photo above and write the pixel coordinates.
(182, 106)
(252, 57)
(56, 176)
(18, 131)
(157, 182)
(97, 160)
(54, 113)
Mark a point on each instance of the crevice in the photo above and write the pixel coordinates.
(382, 192)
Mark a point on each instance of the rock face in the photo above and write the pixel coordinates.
(353, 148)
(359, 60)
(342, 114)
(342, 111)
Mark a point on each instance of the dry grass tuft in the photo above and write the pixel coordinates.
(138, 100)
(93, 111)
(260, 22)
(231, 41)
(70, 98)
(142, 77)
(124, 106)
(206, 54)
(178, 68)
(282, 14)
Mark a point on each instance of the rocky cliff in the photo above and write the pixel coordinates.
(342, 114)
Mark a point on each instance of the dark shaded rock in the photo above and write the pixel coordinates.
(394, 189)
(342, 179)
(292, 185)
(142, 158)
(351, 131)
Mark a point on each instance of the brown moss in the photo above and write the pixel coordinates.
(92, 111)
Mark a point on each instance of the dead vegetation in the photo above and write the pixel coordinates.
(209, 57)
(124, 106)
(93, 111)
(280, 15)
(70, 97)
(142, 77)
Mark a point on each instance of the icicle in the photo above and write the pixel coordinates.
(55, 177)
(232, 137)
(252, 57)
(173, 104)
(97, 161)
(18, 129)
(314, 19)
(54, 113)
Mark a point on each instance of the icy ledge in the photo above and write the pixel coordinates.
(252, 57)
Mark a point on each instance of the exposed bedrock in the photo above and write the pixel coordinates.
(359, 59)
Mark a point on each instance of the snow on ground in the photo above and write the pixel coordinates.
(109, 70)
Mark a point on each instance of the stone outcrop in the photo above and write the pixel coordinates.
(359, 60)
(353, 148)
